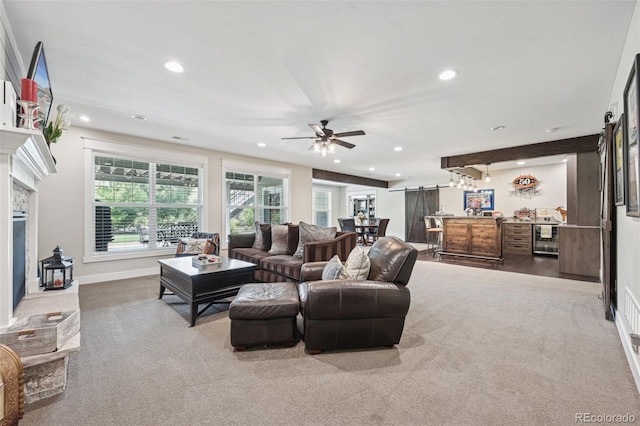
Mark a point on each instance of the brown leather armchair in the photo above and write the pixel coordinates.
(352, 314)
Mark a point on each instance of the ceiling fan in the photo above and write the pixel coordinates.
(326, 136)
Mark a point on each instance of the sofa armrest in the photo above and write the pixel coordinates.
(241, 240)
(352, 299)
(311, 271)
(318, 251)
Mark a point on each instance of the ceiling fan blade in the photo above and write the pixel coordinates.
(343, 143)
(302, 137)
(317, 129)
(311, 147)
(351, 133)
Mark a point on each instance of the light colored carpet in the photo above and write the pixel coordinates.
(480, 347)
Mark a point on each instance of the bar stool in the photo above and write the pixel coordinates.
(434, 234)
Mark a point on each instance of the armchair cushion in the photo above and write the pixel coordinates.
(333, 269)
(279, 243)
(353, 299)
(262, 240)
(310, 233)
(357, 265)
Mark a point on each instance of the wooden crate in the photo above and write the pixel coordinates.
(42, 333)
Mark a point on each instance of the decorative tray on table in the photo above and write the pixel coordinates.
(204, 260)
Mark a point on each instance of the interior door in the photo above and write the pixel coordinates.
(419, 203)
(607, 217)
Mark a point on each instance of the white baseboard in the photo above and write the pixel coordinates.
(632, 358)
(93, 279)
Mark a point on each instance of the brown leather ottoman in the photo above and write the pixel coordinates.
(264, 314)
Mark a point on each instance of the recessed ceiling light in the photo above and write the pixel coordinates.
(84, 118)
(397, 148)
(262, 144)
(552, 129)
(447, 74)
(521, 163)
(173, 66)
(565, 160)
(371, 169)
(498, 128)
(138, 117)
(336, 161)
(398, 175)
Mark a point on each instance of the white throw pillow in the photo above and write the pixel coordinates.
(357, 265)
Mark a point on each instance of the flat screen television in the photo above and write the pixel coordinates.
(38, 72)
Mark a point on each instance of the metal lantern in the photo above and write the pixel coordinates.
(56, 271)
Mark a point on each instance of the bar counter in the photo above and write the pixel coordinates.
(472, 237)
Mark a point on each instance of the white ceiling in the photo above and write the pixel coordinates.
(259, 71)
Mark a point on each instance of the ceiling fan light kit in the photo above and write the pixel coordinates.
(326, 140)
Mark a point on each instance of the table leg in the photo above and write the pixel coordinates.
(161, 291)
(194, 314)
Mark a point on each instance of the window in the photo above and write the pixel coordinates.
(321, 207)
(259, 195)
(140, 203)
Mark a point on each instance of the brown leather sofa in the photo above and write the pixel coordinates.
(286, 267)
(352, 314)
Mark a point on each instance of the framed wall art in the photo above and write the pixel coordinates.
(483, 199)
(631, 111)
(618, 160)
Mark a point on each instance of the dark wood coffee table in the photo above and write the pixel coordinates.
(203, 285)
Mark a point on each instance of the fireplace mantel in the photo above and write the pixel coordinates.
(25, 159)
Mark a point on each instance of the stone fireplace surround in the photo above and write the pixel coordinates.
(25, 160)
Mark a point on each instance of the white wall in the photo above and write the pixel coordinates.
(391, 204)
(628, 228)
(552, 190)
(61, 219)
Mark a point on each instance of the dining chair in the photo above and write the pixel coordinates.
(379, 231)
(348, 224)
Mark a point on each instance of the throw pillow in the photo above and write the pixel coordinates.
(332, 269)
(194, 245)
(263, 236)
(310, 233)
(279, 235)
(357, 265)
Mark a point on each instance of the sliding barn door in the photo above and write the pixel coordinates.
(419, 203)
(607, 218)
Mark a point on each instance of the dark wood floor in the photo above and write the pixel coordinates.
(543, 265)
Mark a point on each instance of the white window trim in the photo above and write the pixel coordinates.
(254, 169)
(146, 154)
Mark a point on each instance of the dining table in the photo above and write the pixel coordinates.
(361, 229)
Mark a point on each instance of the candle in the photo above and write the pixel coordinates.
(28, 90)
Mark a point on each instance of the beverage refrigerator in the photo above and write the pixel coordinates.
(545, 239)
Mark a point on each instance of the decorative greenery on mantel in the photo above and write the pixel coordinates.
(53, 130)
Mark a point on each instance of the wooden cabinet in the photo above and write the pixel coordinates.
(517, 238)
(579, 252)
(479, 237)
